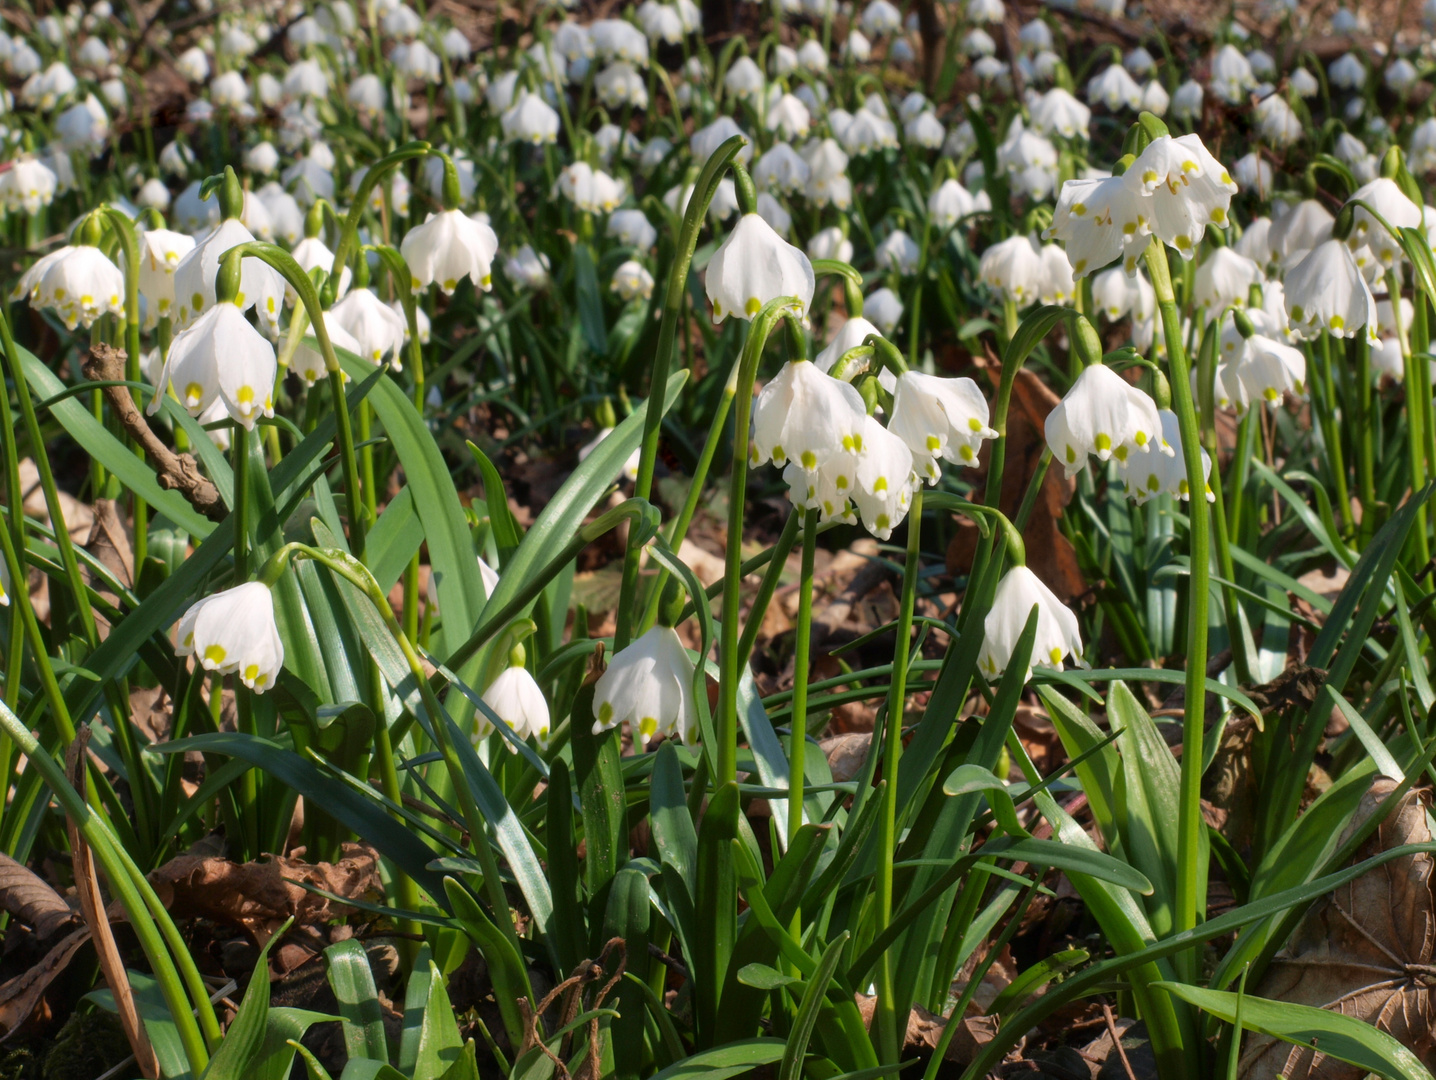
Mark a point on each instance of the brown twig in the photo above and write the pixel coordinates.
(177, 472)
(1117, 1040)
(92, 905)
(571, 990)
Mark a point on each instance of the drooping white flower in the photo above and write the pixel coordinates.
(633, 228)
(1326, 290)
(1278, 122)
(1058, 285)
(614, 39)
(939, 419)
(925, 130)
(378, 329)
(1189, 190)
(885, 309)
(868, 133)
(590, 189)
(881, 17)
(705, 141)
(193, 64)
(1348, 72)
(530, 119)
(220, 356)
(160, 253)
(754, 265)
(1102, 414)
(649, 687)
(448, 247)
(1305, 226)
(632, 281)
(1158, 474)
(1421, 149)
(789, 117)
(28, 185)
(260, 286)
(782, 168)
(80, 286)
(949, 203)
(312, 253)
(830, 243)
(898, 252)
(1058, 635)
(517, 700)
(1099, 220)
(1269, 369)
(1187, 101)
(1013, 268)
(805, 416)
(1232, 75)
(1057, 112)
(308, 361)
(1387, 199)
(234, 633)
(621, 84)
(1224, 279)
(527, 267)
(885, 479)
(1115, 89)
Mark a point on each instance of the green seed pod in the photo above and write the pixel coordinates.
(1085, 342)
(1243, 323)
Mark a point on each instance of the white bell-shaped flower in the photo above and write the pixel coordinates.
(632, 281)
(160, 253)
(527, 268)
(1224, 279)
(1277, 121)
(1057, 112)
(649, 687)
(830, 243)
(885, 480)
(885, 309)
(782, 169)
(703, 142)
(1326, 290)
(805, 416)
(1270, 369)
(1300, 229)
(378, 329)
(898, 252)
(308, 361)
(312, 253)
(447, 248)
(530, 119)
(221, 356)
(621, 84)
(1103, 414)
(1013, 268)
(939, 418)
(633, 228)
(1115, 89)
(234, 633)
(260, 286)
(1116, 295)
(1387, 199)
(849, 336)
(517, 700)
(28, 185)
(1058, 635)
(1099, 220)
(1058, 286)
(827, 489)
(789, 117)
(949, 203)
(80, 286)
(754, 265)
(1348, 72)
(1188, 187)
(1232, 76)
(1158, 474)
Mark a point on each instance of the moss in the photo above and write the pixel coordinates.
(89, 1044)
(20, 1061)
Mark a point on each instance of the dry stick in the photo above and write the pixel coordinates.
(1117, 1040)
(177, 472)
(92, 905)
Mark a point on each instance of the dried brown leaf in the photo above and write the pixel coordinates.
(19, 996)
(924, 1029)
(31, 900)
(1364, 951)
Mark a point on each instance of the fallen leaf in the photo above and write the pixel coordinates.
(259, 896)
(31, 900)
(924, 1029)
(19, 996)
(846, 753)
(1364, 951)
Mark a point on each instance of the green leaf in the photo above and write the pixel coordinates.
(243, 1043)
(1035, 977)
(814, 995)
(353, 983)
(506, 966)
(590, 300)
(276, 1057)
(1332, 1034)
(440, 1046)
(394, 539)
(668, 815)
(416, 1007)
(734, 1059)
(763, 977)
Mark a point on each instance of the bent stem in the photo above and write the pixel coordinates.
(1191, 878)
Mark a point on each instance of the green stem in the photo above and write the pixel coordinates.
(703, 190)
(1191, 876)
(1365, 439)
(1416, 417)
(1325, 402)
(890, 1038)
(798, 740)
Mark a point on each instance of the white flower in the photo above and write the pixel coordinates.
(744, 79)
(367, 96)
(620, 84)
(633, 228)
(305, 79)
(1348, 72)
(649, 686)
(631, 281)
(705, 141)
(1232, 75)
(1325, 290)
(849, 336)
(160, 253)
(898, 252)
(885, 309)
(881, 17)
(857, 47)
(447, 248)
(811, 57)
(1421, 150)
(826, 489)
(1187, 101)
(516, 699)
(1118, 294)
(260, 286)
(805, 416)
(925, 130)
(772, 211)
(1189, 189)
(1013, 268)
(1277, 121)
(1098, 220)
(1157, 474)
(152, 195)
(219, 356)
(1058, 635)
(1269, 369)
(1303, 83)
(527, 268)
(790, 118)
(312, 253)
(868, 133)
(949, 203)
(986, 11)
(84, 126)
(1102, 414)
(939, 418)
(530, 119)
(1058, 286)
(1305, 226)
(28, 185)
(614, 39)
(234, 632)
(782, 168)
(193, 64)
(830, 243)
(590, 189)
(1387, 199)
(1115, 89)
(456, 46)
(1224, 278)
(81, 285)
(754, 265)
(661, 22)
(1059, 113)
(229, 90)
(377, 328)
(884, 475)
(1254, 171)
(308, 361)
(262, 158)
(1401, 75)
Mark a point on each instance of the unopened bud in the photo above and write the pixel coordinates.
(1085, 342)
(1243, 323)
